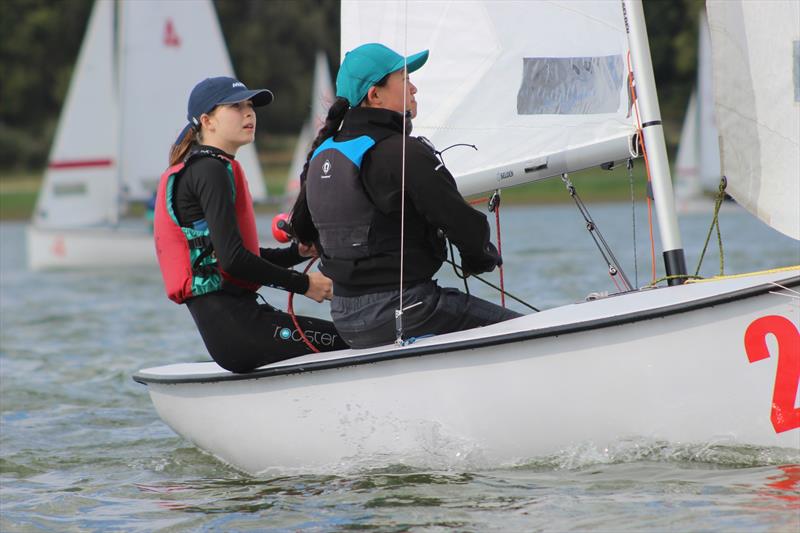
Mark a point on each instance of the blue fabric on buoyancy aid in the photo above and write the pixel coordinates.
(340, 209)
(350, 227)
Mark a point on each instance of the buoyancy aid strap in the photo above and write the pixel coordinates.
(205, 271)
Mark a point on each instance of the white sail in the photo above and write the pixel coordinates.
(536, 98)
(322, 96)
(708, 134)
(756, 55)
(80, 187)
(167, 46)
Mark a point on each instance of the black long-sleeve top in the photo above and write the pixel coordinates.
(204, 192)
(434, 204)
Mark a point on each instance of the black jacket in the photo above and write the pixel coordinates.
(204, 192)
(433, 203)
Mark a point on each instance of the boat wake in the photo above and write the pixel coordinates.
(440, 453)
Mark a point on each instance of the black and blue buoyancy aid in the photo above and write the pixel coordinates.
(358, 234)
(350, 227)
(340, 208)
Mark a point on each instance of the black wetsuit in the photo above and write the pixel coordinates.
(239, 333)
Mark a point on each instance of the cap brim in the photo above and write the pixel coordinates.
(259, 97)
(415, 61)
(412, 62)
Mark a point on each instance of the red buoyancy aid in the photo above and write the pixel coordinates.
(174, 244)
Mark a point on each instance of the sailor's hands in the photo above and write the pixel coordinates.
(485, 263)
(320, 288)
(307, 250)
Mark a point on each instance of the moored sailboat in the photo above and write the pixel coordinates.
(125, 106)
(688, 363)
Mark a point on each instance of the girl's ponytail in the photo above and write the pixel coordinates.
(178, 152)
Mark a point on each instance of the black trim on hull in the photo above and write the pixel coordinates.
(553, 331)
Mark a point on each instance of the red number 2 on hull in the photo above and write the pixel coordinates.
(784, 414)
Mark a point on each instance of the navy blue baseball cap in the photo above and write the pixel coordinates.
(366, 65)
(212, 92)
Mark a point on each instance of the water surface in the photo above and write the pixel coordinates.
(81, 448)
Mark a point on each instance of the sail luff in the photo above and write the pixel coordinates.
(709, 165)
(653, 133)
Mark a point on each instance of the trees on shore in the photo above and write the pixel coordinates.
(272, 44)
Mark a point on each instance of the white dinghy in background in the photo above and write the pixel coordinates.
(125, 106)
(714, 362)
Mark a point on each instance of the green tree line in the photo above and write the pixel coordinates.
(272, 44)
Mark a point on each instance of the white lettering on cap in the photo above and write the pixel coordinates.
(238, 84)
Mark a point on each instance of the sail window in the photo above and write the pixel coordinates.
(570, 85)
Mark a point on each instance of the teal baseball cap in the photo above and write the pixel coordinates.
(366, 65)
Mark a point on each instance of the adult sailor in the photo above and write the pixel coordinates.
(207, 242)
(350, 208)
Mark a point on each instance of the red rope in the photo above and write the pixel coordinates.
(290, 310)
(499, 242)
(646, 167)
(500, 251)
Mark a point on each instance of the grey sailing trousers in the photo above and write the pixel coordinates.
(369, 320)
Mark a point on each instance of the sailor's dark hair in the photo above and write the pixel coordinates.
(333, 122)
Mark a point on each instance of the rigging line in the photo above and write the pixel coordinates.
(398, 314)
(494, 205)
(290, 311)
(640, 135)
(492, 285)
(441, 152)
(461, 274)
(633, 218)
(603, 247)
(723, 184)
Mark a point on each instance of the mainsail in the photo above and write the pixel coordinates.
(756, 55)
(126, 105)
(540, 88)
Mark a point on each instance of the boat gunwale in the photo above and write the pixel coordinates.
(505, 338)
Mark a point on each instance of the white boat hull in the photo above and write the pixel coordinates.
(89, 247)
(665, 364)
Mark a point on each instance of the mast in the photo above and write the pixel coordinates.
(119, 73)
(653, 133)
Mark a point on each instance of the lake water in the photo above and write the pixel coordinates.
(81, 448)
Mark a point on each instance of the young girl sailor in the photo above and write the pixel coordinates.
(207, 243)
